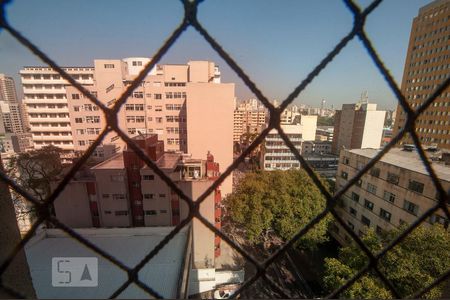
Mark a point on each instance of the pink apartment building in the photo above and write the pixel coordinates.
(123, 192)
(185, 105)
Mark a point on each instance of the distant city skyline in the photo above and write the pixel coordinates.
(260, 40)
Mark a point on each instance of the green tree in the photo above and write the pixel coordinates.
(271, 206)
(325, 121)
(410, 266)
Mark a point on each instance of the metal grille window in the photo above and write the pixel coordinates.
(388, 196)
(355, 197)
(411, 207)
(384, 214)
(190, 20)
(368, 204)
(416, 186)
(372, 188)
(375, 172)
(365, 221)
(393, 178)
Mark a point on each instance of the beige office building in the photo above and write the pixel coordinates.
(396, 190)
(427, 65)
(358, 126)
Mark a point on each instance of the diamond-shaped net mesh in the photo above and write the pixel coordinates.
(262, 268)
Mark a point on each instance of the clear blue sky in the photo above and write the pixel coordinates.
(276, 42)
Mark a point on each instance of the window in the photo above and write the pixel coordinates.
(411, 207)
(393, 178)
(439, 219)
(105, 195)
(110, 88)
(368, 204)
(359, 183)
(344, 175)
(116, 177)
(353, 211)
(355, 197)
(158, 96)
(135, 184)
(118, 196)
(93, 119)
(375, 172)
(148, 196)
(365, 221)
(78, 120)
(384, 214)
(416, 186)
(121, 212)
(148, 177)
(389, 196)
(107, 212)
(158, 120)
(81, 143)
(163, 211)
(350, 224)
(138, 95)
(371, 188)
(109, 66)
(150, 212)
(75, 96)
(162, 195)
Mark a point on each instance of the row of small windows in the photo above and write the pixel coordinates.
(43, 86)
(88, 131)
(432, 43)
(282, 165)
(45, 96)
(86, 107)
(49, 115)
(46, 105)
(413, 185)
(88, 119)
(52, 133)
(390, 197)
(46, 143)
(85, 143)
(57, 76)
(427, 78)
(59, 124)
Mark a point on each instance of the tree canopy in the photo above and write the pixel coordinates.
(410, 266)
(34, 171)
(276, 204)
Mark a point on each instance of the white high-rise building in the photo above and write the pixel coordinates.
(277, 156)
(46, 104)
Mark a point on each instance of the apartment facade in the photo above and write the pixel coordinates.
(427, 65)
(249, 117)
(46, 104)
(396, 190)
(358, 126)
(276, 155)
(124, 192)
(171, 99)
